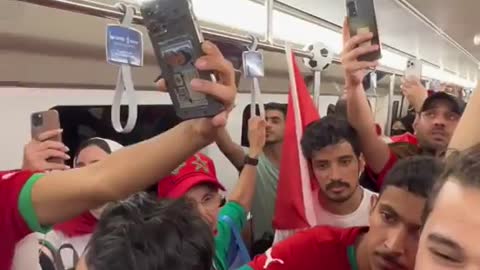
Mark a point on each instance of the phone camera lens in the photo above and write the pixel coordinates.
(37, 120)
(352, 9)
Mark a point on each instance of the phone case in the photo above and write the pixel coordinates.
(46, 121)
(176, 39)
(414, 69)
(362, 19)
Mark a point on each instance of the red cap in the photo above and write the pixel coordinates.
(198, 169)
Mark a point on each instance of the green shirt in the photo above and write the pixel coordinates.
(224, 233)
(263, 205)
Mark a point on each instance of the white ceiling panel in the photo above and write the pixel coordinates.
(459, 19)
(400, 29)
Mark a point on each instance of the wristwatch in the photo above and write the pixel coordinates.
(251, 161)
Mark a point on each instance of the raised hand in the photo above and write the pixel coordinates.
(224, 90)
(37, 154)
(256, 135)
(354, 70)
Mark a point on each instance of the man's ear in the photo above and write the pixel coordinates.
(373, 203)
(361, 164)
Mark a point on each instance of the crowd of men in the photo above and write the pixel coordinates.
(423, 216)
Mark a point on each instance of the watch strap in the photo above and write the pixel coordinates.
(251, 161)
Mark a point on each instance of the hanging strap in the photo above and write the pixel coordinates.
(256, 97)
(243, 252)
(256, 93)
(125, 85)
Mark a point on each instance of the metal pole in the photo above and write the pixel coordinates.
(269, 17)
(388, 125)
(317, 81)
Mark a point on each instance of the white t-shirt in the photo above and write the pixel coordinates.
(358, 218)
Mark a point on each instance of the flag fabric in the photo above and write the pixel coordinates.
(297, 188)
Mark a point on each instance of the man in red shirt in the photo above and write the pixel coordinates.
(389, 243)
(33, 202)
(434, 126)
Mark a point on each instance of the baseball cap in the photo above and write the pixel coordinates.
(198, 169)
(456, 105)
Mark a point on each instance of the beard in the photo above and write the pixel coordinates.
(431, 148)
(335, 197)
(272, 141)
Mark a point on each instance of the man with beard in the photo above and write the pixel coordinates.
(332, 149)
(390, 242)
(267, 168)
(450, 234)
(434, 126)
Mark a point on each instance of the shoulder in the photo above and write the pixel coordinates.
(232, 214)
(368, 193)
(232, 208)
(304, 250)
(13, 184)
(317, 236)
(406, 138)
(15, 176)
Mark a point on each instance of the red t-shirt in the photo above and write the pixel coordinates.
(380, 177)
(17, 217)
(406, 137)
(319, 248)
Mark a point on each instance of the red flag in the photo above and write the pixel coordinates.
(296, 193)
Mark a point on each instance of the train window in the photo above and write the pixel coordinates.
(83, 122)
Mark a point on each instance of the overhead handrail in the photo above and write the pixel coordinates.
(256, 94)
(95, 8)
(125, 85)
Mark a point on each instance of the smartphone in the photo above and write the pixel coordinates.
(362, 19)
(46, 121)
(413, 69)
(176, 39)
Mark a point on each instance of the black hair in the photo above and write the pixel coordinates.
(462, 167)
(327, 131)
(144, 234)
(273, 106)
(341, 108)
(415, 174)
(102, 144)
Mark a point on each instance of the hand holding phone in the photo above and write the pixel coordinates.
(45, 151)
(177, 43)
(354, 69)
(362, 20)
(224, 90)
(414, 91)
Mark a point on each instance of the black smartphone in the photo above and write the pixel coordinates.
(362, 19)
(176, 40)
